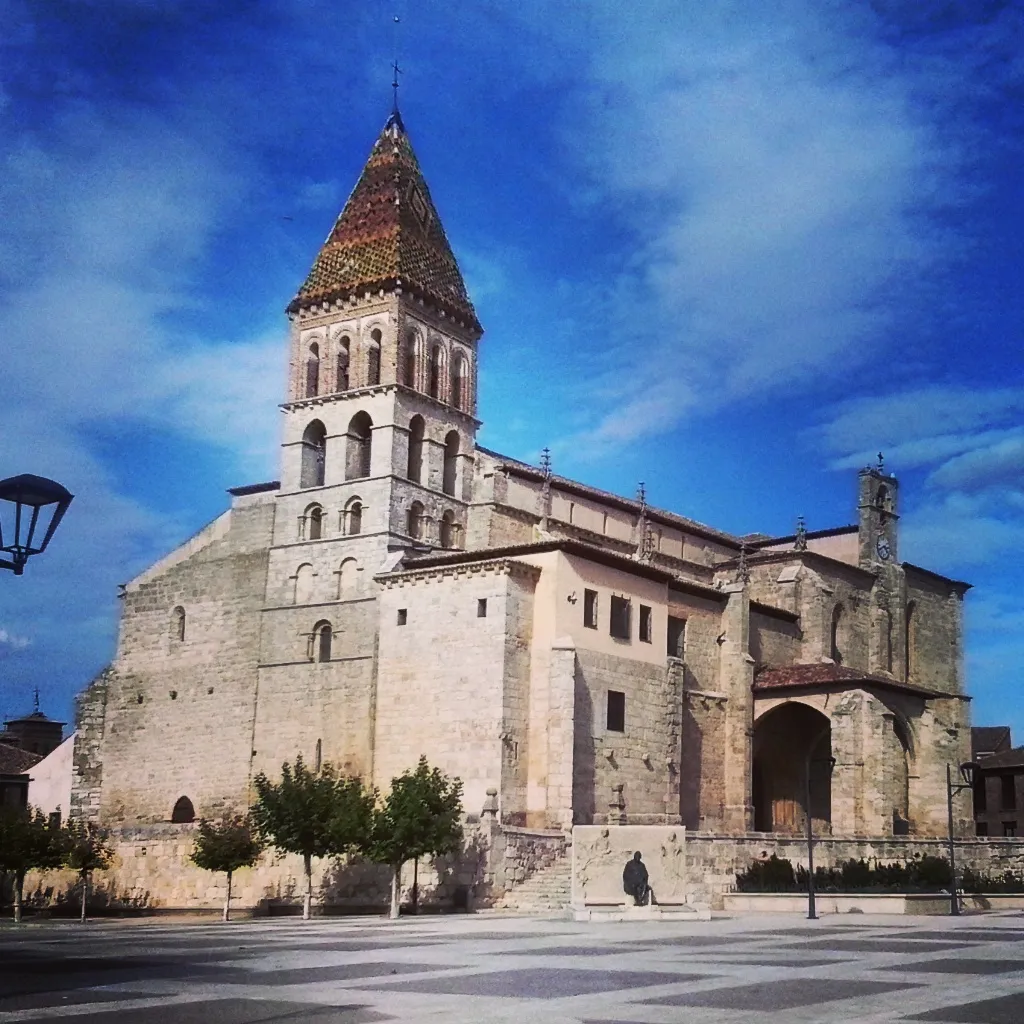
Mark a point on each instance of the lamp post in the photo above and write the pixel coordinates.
(31, 508)
(809, 820)
(967, 770)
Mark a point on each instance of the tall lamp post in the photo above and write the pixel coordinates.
(812, 914)
(31, 508)
(967, 770)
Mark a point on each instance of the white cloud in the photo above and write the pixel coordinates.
(12, 640)
(777, 174)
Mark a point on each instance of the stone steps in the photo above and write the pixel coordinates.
(545, 891)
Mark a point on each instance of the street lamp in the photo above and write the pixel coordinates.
(967, 770)
(31, 508)
(809, 820)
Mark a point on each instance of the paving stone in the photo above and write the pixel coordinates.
(236, 1011)
(542, 983)
(960, 966)
(779, 995)
(881, 945)
(1001, 1010)
(334, 972)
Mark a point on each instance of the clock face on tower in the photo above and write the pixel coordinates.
(883, 549)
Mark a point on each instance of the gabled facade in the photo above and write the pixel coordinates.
(591, 659)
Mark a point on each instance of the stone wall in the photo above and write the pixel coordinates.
(151, 870)
(452, 709)
(633, 764)
(698, 867)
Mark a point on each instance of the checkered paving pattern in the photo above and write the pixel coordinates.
(475, 969)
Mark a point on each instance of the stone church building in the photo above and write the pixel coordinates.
(590, 658)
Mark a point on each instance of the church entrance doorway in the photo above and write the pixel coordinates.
(786, 740)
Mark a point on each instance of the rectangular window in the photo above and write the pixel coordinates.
(676, 637)
(403, 616)
(619, 624)
(1008, 784)
(981, 828)
(481, 607)
(590, 609)
(616, 717)
(1010, 829)
(646, 624)
(980, 796)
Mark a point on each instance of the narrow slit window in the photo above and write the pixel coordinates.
(646, 624)
(481, 607)
(590, 609)
(619, 618)
(615, 720)
(403, 616)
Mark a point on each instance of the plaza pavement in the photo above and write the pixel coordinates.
(488, 968)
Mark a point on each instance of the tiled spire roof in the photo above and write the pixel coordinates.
(389, 235)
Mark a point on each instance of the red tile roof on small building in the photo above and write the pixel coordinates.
(15, 761)
(826, 674)
(389, 235)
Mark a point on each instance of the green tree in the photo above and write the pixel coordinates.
(315, 814)
(27, 840)
(85, 850)
(226, 847)
(421, 816)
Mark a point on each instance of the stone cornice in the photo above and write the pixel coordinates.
(493, 566)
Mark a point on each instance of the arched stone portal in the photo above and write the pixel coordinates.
(784, 738)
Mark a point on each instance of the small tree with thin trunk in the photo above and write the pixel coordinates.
(421, 816)
(226, 847)
(27, 840)
(315, 814)
(85, 850)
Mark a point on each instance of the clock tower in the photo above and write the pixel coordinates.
(877, 516)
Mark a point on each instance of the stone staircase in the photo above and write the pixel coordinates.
(546, 891)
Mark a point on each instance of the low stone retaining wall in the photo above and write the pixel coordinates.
(152, 870)
(864, 903)
(700, 867)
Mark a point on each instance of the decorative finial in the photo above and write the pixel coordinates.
(800, 543)
(881, 463)
(36, 707)
(545, 461)
(641, 495)
(744, 569)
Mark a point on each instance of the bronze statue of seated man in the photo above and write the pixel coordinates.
(635, 881)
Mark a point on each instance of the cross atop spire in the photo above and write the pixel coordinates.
(396, 71)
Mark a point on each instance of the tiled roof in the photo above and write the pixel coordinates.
(825, 674)
(389, 235)
(15, 761)
(990, 739)
(1012, 758)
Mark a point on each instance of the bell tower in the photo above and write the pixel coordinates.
(877, 516)
(380, 421)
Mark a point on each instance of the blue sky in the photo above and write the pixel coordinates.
(729, 249)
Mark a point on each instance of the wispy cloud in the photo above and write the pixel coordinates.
(782, 173)
(12, 641)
